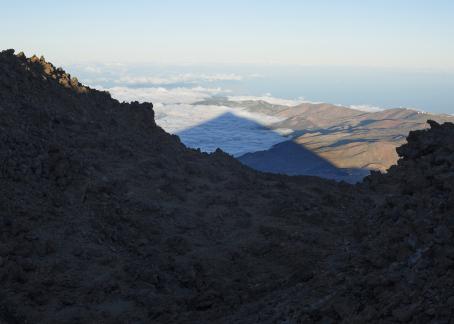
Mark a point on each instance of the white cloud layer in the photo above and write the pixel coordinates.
(179, 78)
(366, 108)
(163, 95)
(234, 130)
(268, 98)
(122, 75)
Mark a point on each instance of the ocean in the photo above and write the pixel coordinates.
(425, 90)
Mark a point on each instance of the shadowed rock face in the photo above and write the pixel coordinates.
(106, 218)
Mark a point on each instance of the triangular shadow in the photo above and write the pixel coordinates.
(229, 132)
(233, 134)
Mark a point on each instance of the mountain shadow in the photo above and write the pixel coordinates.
(292, 158)
(233, 134)
(249, 142)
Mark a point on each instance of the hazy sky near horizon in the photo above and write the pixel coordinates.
(416, 34)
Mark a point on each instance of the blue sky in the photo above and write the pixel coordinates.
(406, 34)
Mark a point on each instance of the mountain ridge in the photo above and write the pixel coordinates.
(348, 138)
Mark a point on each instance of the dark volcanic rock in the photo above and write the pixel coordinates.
(105, 218)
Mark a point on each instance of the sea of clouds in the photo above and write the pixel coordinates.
(174, 96)
(208, 127)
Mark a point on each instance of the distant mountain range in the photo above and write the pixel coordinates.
(346, 138)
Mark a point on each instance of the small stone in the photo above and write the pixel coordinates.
(343, 308)
(405, 313)
(27, 265)
(431, 311)
(78, 251)
(442, 234)
(34, 59)
(369, 313)
(450, 301)
(74, 82)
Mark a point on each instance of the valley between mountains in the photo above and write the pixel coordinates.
(106, 218)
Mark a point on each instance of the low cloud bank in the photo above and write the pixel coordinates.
(234, 130)
(366, 108)
(176, 79)
(164, 95)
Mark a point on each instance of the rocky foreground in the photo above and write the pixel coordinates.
(105, 218)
